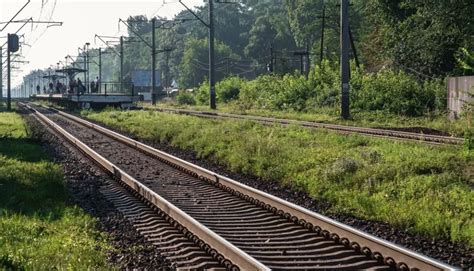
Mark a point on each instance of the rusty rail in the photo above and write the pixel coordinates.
(385, 133)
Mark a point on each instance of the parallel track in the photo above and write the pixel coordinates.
(256, 225)
(384, 133)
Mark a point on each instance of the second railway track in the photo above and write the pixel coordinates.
(376, 132)
(247, 227)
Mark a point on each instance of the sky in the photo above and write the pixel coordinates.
(82, 19)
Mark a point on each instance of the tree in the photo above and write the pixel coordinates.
(465, 60)
(423, 36)
(195, 66)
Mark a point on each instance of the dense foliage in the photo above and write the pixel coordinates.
(387, 90)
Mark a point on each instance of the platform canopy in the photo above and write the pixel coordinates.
(54, 77)
(70, 72)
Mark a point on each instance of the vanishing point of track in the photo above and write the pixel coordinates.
(345, 129)
(236, 226)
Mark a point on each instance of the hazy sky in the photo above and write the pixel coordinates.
(82, 20)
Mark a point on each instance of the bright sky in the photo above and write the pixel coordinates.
(82, 20)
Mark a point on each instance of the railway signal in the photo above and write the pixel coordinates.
(13, 46)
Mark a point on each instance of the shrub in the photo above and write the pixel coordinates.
(229, 89)
(341, 167)
(395, 92)
(185, 98)
(325, 79)
(437, 90)
(202, 94)
(388, 90)
(260, 93)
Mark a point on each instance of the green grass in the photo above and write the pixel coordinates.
(374, 119)
(39, 228)
(422, 188)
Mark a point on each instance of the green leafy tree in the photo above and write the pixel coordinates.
(423, 36)
(195, 62)
(465, 61)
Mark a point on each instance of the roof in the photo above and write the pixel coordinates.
(70, 71)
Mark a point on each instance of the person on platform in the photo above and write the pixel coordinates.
(51, 87)
(38, 89)
(97, 84)
(80, 86)
(92, 86)
(72, 85)
(58, 87)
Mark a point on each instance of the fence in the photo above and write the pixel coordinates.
(460, 92)
(112, 88)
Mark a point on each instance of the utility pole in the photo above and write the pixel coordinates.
(212, 68)
(84, 56)
(1, 74)
(87, 65)
(272, 68)
(9, 94)
(121, 64)
(49, 76)
(308, 60)
(100, 70)
(153, 62)
(345, 69)
(323, 25)
(167, 72)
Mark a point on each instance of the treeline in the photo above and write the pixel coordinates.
(422, 40)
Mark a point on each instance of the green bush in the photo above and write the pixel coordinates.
(325, 78)
(394, 92)
(202, 93)
(290, 92)
(388, 91)
(185, 98)
(229, 89)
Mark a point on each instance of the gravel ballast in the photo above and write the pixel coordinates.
(129, 250)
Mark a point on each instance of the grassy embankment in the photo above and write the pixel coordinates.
(39, 228)
(331, 115)
(422, 188)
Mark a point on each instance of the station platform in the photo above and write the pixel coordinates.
(90, 100)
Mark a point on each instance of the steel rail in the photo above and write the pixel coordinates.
(386, 133)
(233, 254)
(379, 249)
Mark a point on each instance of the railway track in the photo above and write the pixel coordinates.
(384, 133)
(238, 226)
